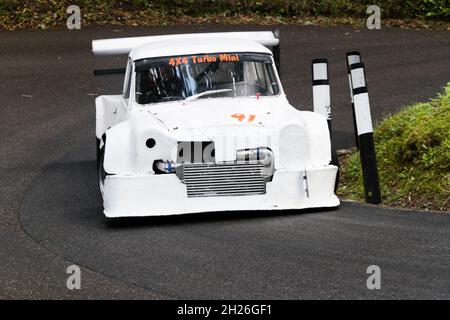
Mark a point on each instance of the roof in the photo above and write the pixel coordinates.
(186, 46)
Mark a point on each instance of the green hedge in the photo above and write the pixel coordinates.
(334, 8)
(428, 9)
(413, 154)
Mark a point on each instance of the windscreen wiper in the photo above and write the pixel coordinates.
(205, 93)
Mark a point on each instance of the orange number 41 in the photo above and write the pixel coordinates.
(241, 117)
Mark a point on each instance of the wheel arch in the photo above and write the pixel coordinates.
(105, 114)
(120, 146)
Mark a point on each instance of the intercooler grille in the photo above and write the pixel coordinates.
(215, 180)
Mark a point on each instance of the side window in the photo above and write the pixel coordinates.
(127, 85)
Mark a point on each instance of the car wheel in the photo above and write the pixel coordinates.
(101, 174)
(335, 162)
(97, 148)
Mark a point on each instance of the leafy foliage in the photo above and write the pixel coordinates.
(413, 154)
(29, 13)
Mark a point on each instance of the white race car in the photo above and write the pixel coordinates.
(203, 125)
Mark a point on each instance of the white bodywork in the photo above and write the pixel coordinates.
(302, 178)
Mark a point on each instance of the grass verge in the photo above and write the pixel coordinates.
(413, 154)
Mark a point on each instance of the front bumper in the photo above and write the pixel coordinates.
(165, 194)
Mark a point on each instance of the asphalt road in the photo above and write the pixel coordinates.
(50, 209)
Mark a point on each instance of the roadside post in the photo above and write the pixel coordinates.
(365, 134)
(353, 57)
(321, 89)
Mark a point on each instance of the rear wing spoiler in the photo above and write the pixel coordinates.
(269, 39)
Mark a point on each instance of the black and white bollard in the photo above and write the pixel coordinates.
(365, 134)
(321, 89)
(352, 58)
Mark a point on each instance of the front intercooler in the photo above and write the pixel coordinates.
(214, 180)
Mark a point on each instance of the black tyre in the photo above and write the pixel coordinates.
(335, 162)
(97, 148)
(101, 174)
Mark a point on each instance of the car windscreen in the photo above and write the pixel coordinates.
(207, 75)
